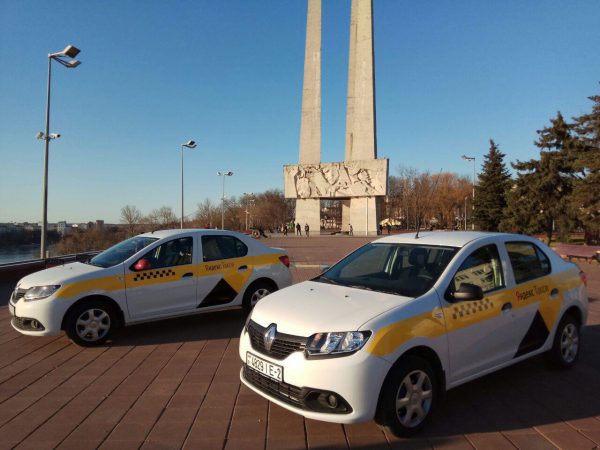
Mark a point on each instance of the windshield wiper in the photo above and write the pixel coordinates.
(327, 280)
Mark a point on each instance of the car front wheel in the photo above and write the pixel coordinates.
(409, 396)
(90, 323)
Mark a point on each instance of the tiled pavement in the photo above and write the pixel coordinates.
(175, 384)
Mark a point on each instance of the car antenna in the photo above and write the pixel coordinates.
(430, 195)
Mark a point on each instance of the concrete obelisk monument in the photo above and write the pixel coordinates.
(361, 177)
(361, 141)
(308, 210)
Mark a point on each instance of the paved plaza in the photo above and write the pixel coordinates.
(175, 384)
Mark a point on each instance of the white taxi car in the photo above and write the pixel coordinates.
(381, 334)
(148, 277)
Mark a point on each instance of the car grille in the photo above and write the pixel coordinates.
(282, 391)
(18, 294)
(283, 345)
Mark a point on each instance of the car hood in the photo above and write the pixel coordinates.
(312, 307)
(58, 275)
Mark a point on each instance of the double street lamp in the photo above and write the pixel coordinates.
(64, 58)
(471, 158)
(188, 144)
(223, 174)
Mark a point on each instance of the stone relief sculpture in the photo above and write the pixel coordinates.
(331, 180)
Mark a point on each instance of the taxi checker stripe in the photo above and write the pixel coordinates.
(146, 275)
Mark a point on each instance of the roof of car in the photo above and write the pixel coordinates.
(449, 238)
(160, 234)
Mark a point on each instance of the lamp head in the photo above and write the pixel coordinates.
(39, 135)
(189, 144)
(71, 51)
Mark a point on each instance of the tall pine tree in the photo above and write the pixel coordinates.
(539, 199)
(490, 193)
(586, 191)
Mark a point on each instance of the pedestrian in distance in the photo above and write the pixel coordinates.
(389, 228)
(285, 230)
(306, 229)
(380, 229)
(298, 229)
(351, 232)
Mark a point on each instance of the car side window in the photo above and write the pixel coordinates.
(217, 247)
(527, 261)
(481, 268)
(177, 252)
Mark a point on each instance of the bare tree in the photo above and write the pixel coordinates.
(132, 217)
(163, 217)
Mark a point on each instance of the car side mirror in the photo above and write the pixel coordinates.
(468, 292)
(142, 264)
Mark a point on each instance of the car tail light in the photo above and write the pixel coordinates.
(285, 260)
(583, 277)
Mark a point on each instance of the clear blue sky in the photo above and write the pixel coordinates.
(450, 75)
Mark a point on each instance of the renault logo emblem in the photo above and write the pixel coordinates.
(269, 336)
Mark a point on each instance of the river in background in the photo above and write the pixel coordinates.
(15, 253)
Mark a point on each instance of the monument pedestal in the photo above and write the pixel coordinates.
(363, 216)
(308, 211)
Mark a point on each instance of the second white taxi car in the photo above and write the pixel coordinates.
(152, 276)
(385, 331)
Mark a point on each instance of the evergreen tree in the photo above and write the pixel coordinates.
(490, 193)
(539, 199)
(586, 192)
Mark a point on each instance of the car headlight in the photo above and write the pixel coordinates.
(39, 292)
(336, 343)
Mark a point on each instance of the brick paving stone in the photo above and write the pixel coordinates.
(563, 436)
(324, 434)
(290, 443)
(204, 444)
(490, 440)
(451, 443)
(530, 440)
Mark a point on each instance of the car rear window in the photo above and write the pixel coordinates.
(527, 260)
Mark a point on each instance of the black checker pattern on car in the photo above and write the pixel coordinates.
(465, 309)
(153, 274)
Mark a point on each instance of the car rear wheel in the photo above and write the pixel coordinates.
(408, 398)
(256, 292)
(567, 343)
(90, 323)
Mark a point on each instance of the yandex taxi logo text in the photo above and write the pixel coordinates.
(528, 293)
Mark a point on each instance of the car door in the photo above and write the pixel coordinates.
(163, 281)
(478, 331)
(536, 298)
(225, 269)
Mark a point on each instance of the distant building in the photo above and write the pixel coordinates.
(63, 228)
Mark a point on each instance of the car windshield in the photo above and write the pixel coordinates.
(404, 269)
(120, 252)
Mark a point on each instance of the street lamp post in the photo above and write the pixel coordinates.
(188, 144)
(249, 196)
(471, 158)
(69, 52)
(223, 174)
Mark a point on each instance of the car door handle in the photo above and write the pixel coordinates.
(189, 274)
(554, 293)
(507, 307)
(242, 268)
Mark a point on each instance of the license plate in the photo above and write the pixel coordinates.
(265, 367)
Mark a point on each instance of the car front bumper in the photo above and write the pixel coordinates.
(355, 380)
(45, 313)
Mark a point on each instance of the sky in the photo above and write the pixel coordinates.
(450, 75)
